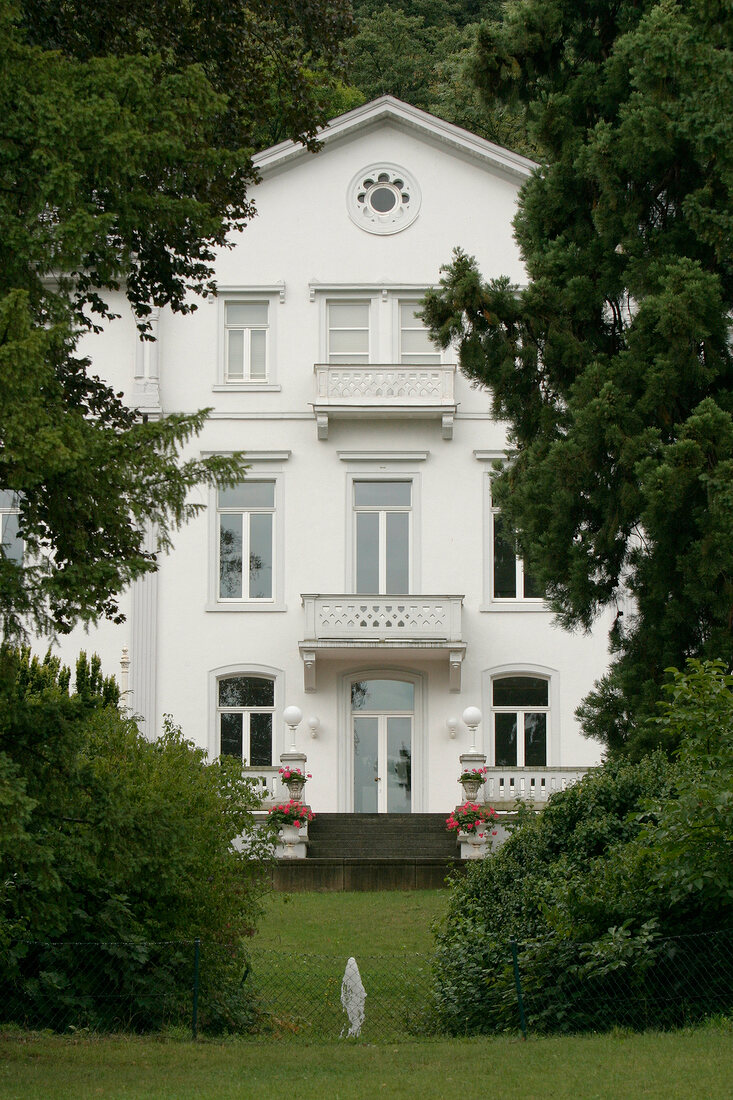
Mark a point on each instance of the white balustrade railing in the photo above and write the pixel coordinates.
(385, 384)
(394, 389)
(523, 784)
(420, 618)
(267, 780)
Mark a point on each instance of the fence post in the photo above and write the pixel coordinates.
(195, 1017)
(518, 984)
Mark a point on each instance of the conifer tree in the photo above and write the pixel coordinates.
(612, 366)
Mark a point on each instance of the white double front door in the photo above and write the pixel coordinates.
(382, 727)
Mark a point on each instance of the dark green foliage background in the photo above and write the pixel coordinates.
(126, 162)
(613, 366)
(597, 887)
(109, 837)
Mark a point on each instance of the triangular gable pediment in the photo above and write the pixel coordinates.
(388, 110)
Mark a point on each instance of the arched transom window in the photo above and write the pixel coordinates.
(245, 708)
(521, 709)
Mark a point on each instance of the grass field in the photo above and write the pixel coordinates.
(351, 923)
(300, 953)
(687, 1065)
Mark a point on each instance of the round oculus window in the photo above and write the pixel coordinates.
(383, 198)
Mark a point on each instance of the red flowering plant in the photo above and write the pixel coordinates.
(286, 774)
(290, 813)
(471, 817)
(473, 773)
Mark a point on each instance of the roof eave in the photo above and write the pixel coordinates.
(388, 108)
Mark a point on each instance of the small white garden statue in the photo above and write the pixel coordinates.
(353, 996)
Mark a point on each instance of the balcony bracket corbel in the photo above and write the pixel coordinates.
(309, 670)
(455, 659)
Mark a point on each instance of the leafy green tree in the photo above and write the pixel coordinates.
(620, 892)
(392, 53)
(109, 838)
(423, 53)
(613, 365)
(126, 162)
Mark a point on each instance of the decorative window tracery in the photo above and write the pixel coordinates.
(383, 198)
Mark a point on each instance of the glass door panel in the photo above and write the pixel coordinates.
(399, 764)
(366, 765)
(397, 556)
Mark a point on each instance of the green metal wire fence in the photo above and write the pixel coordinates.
(533, 987)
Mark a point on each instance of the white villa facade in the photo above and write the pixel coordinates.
(359, 573)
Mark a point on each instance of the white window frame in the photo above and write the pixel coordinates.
(12, 510)
(393, 472)
(520, 602)
(268, 672)
(552, 710)
(269, 295)
(400, 300)
(260, 470)
(346, 298)
(382, 511)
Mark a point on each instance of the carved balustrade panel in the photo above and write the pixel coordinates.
(385, 384)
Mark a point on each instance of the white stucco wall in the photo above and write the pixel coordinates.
(301, 237)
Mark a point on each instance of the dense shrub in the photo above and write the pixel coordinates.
(620, 894)
(106, 836)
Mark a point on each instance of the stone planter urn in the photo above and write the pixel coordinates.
(295, 786)
(471, 788)
(474, 844)
(291, 843)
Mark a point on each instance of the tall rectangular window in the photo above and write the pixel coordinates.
(348, 332)
(415, 344)
(246, 331)
(509, 579)
(245, 709)
(11, 542)
(382, 512)
(246, 518)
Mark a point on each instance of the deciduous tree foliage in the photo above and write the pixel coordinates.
(106, 836)
(125, 162)
(620, 892)
(613, 365)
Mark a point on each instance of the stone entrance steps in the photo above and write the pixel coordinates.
(372, 852)
(294, 876)
(380, 836)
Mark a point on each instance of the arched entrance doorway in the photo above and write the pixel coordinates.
(382, 726)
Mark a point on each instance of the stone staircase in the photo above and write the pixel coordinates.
(381, 836)
(372, 852)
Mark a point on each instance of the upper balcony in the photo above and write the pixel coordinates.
(385, 389)
(406, 623)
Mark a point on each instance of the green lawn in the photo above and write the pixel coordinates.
(300, 953)
(351, 924)
(682, 1065)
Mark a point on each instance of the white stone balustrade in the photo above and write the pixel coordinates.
(396, 389)
(334, 622)
(432, 618)
(267, 780)
(524, 784)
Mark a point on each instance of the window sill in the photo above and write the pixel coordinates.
(246, 387)
(532, 606)
(246, 605)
